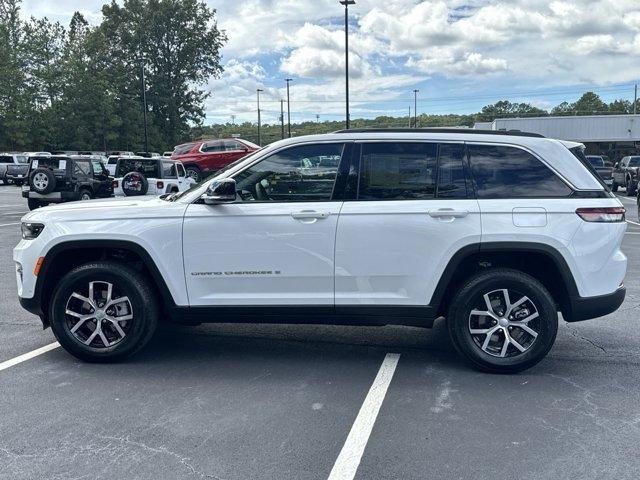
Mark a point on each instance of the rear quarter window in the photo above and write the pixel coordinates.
(509, 172)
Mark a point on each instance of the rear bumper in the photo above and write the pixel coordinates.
(585, 308)
(53, 197)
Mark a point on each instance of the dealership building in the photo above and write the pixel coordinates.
(611, 135)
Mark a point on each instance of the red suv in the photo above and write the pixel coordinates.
(206, 156)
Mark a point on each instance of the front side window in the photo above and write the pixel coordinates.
(509, 172)
(305, 173)
(169, 170)
(181, 172)
(634, 162)
(398, 171)
(232, 146)
(98, 168)
(182, 149)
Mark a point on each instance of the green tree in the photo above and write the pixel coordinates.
(504, 108)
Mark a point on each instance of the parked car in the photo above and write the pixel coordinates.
(496, 231)
(148, 154)
(625, 174)
(205, 157)
(112, 161)
(13, 167)
(57, 179)
(603, 171)
(149, 176)
(167, 154)
(120, 153)
(37, 154)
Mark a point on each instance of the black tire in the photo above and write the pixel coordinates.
(468, 298)
(85, 194)
(631, 187)
(135, 184)
(44, 181)
(126, 283)
(194, 172)
(33, 203)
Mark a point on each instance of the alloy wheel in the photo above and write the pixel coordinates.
(501, 328)
(99, 317)
(40, 181)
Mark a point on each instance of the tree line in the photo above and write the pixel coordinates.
(588, 104)
(78, 87)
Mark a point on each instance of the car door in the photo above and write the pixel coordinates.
(183, 180)
(101, 182)
(275, 244)
(414, 210)
(619, 171)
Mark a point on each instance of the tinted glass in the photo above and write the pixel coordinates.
(451, 178)
(304, 173)
(169, 170)
(596, 161)
(81, 167)
(182, 149)
(216, 146)
(398, 171)
(149, 168)
(6, 159)
(52, 163)
(509, 172)
(634, 162)
(181, 172)
(232, 145)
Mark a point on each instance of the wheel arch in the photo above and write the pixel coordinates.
(541, 261)
(64, 256)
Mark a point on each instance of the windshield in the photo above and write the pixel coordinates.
(182, 149)
(149, 168)
(634, 162)
(595, 161)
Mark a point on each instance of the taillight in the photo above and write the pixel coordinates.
(114, 184)
(602, 214)
(160, 185)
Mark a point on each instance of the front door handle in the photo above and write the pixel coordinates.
(309, 214)
(448, 213)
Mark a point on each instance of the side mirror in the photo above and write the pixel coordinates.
(220, 191)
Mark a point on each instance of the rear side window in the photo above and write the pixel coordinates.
(6, 159)
(52, 163)
(182, 149)
(509, 172)
(81, 167)
(398, 171)
(451, 177)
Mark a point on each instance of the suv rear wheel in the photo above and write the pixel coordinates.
(85, 194)
(503, 321)
(103, 312)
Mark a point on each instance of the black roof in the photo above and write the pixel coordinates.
(515, 133)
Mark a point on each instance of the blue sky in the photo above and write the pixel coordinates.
(460, 54)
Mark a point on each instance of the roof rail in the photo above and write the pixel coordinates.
(515, 133)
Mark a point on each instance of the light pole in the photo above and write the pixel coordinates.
(288, 107)
(281, 118)
(143, 85)
(259, 137)
(415, 108)
(346, 4)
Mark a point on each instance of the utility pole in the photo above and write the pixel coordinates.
(635, 99)
(346, 4)
(281, 118)
(317, 118)
(288, 107)
(259, 136)
(409, 116)
(143, 85)
(415, 108)
(233, 119)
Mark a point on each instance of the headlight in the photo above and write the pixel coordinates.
(31, 230)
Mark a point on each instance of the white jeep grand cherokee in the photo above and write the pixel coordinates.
(496, 231)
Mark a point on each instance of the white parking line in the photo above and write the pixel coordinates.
(625, 199)
(634, 223)
(7, 224)
(349, 459)
(27, 356)
(12, 205)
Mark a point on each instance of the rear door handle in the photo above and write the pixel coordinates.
(448, 213)
(309, 214)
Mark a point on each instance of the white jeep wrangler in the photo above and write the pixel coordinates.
(496, 231)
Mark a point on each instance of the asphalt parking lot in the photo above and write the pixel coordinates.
(276, 402)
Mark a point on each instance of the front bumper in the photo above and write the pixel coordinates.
(585, 308)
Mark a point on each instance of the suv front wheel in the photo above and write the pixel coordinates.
(503, 321)
(103, 312)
